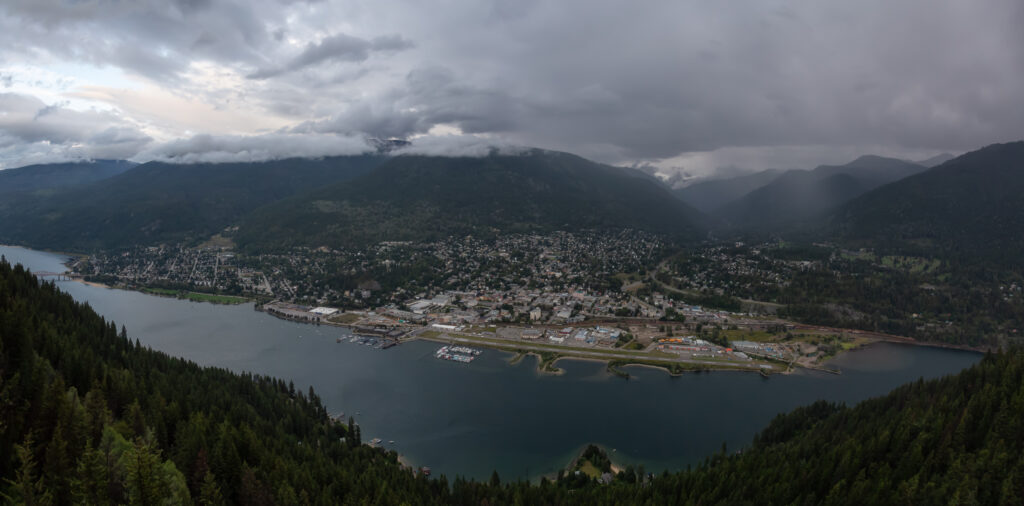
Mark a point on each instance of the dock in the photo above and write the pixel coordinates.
(461, 354)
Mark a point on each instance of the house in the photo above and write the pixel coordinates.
(536, 314)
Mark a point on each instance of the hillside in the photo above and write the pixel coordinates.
(91, 417)
(59, 175)
(971, 207)
(708, 196)
(797, 197)
(157, 202)
(422, 198)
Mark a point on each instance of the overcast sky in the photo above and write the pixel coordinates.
(682, 85)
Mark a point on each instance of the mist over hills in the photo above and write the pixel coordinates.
(798, 197)
(708, 196)
(936, 160)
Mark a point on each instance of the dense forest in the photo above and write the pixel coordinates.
(160, 202)
(425, 198)
(968, 209)
(88, 416)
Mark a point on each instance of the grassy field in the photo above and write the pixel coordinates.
(196, 296)
(758, 336)
(588, 468)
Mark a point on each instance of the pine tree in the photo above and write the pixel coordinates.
(93, 481)
(209, 494)
(144, 480)
(26, 488)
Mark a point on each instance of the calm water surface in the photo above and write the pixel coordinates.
(471, 419)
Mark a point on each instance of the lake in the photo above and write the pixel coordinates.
(470, 419)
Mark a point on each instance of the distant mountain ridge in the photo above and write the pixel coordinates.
(345, 200)
(708, 196)
(60, 175)
(798, 197)
(971, 206)
(156, 201)
(936, 160)
(427, 197)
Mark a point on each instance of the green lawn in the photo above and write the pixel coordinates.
(196, 296)
(589, 469)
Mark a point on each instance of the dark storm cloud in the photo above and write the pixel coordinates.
(622, 82)
(153, 38)
(428, 97)
(338, 47)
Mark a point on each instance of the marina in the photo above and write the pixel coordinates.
(457, 353)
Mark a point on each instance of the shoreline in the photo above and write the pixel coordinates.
(874, 337)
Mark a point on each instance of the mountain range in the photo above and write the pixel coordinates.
(346, 200)
(59, 175)
(425, 197)
(159, 202)
(969, 206)
(780, 200)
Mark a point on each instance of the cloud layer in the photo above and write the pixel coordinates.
(687, 84)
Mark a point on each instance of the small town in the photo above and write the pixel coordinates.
(590, 295)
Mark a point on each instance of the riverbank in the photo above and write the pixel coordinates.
(196, 296)
(549, 354)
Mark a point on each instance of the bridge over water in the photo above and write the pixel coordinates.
(58, 276)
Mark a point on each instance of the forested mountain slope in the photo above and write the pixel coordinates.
(157, 202)
(429, 197)
(87, 416)
(971, 208)
(59, 175)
